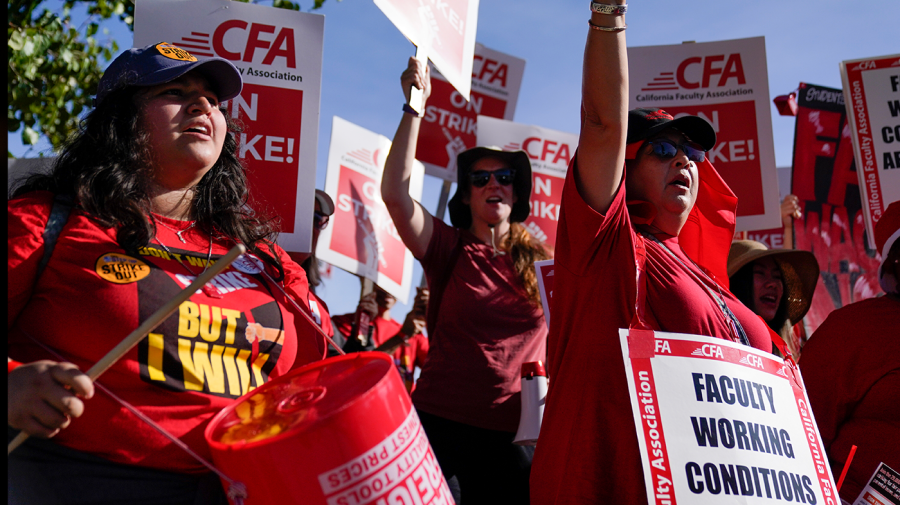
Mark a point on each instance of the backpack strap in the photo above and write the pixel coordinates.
(59, 215)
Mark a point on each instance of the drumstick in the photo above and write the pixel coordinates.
(150, 324)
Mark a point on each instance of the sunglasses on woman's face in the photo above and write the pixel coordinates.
(666, 149)
(320, 220)
(504, 177)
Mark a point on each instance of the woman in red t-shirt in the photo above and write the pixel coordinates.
(157, 194)
(484, 313)
(639, 179)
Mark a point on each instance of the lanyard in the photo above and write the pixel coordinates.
(737, 331)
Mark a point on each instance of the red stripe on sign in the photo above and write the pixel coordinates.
(641, 344)
(654, 439)
(862, 121)
(687, 349)
(817, 451)
(193, 46)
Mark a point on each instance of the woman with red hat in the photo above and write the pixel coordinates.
(484, 313)
(156, 193)
(640, 181)
(851, 369)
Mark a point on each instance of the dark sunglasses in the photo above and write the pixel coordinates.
(666, 149)
(504, 177)
(320, 220)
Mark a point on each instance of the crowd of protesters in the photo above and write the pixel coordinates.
(645, 240)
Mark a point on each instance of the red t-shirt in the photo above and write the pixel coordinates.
(851, 370)
(407, 357)
(588, 448)
(485, 329)
(211, 351)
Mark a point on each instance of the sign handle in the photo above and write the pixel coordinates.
(416, 99)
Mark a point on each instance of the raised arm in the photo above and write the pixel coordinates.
(412, 221)
(604, 123)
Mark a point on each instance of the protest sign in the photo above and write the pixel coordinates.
(544, 271)
(726, 83)
(831, 227)
(362, 238)
(550, 152)
(720, 422)
(773, 238)
(450, 122)
(883, 488)
(279, 55)
(872, 98)
(445, 27)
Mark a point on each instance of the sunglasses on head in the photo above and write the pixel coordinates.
(666, 149)
(504, 177)
(320, 220)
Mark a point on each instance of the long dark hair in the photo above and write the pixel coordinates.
(741, 285)
(106, 166)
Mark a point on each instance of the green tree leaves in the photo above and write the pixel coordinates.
(55, 66)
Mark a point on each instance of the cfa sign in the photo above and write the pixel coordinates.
(281, 46)
(279, 55)
(711, 66)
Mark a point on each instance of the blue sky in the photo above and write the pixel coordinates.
(364, 55)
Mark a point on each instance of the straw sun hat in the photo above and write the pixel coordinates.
(799, 271)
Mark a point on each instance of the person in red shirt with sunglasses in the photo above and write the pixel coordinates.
(484, 313)
(639, 179)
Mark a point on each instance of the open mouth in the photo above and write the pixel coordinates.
(681, 181)
(494, 199)
(770, 299)
(198, 129)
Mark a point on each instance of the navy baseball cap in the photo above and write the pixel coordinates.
(646, 122)
(164, 62)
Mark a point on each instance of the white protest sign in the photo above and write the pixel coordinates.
(449, 125)
(719, 422)
(872, 98)
(550, 152)
(545, 273)
(883, 488)
(726, 83)
(445, 27)
(362, 238)
(279, 55)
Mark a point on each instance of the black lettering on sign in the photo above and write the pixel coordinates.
(710, 432)
(723, 389)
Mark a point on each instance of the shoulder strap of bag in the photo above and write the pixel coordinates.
(59, 215)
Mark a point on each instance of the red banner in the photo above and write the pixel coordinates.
(825, 180)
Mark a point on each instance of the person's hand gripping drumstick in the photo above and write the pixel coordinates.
(65, 375)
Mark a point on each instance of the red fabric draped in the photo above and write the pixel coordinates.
(706, 236)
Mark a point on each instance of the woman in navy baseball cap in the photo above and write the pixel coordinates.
(140, 202)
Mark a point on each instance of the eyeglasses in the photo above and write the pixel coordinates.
(666, 149)
(504, 177)
(320, 221)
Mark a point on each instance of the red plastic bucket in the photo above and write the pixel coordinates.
(341, 431)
